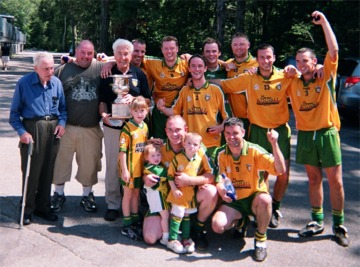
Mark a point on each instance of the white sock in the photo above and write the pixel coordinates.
(60, 189)
(86, 190)
(165, 236)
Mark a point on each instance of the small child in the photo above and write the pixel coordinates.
(183, 199)
(156, 195)
(133, 138)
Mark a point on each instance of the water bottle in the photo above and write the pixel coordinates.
(231, 192)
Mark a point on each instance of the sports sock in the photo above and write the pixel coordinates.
(275, 205)
(174, 227)
(165, 236)
(127, 221)
(317, 214)
(199, 226)
(185, 227)
(338, 217)
(260, 237)
(135, 217)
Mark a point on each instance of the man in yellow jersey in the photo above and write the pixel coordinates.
(242, 62)
(200, 104)
(318, 123)
(242, 162)
(267, 109)
(170, 75)
(206, 194)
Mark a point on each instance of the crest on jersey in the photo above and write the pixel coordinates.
(122, 141)
(188, 98)
(166, 164)
(135, 82)
(248, 167)
(136, 135)
(256, 87)
(162, 75)
(228, 169)
(182, 74)
(207, 97)
(180, 168)
(278, 87)
(318, 89)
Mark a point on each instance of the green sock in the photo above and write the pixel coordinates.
(317, 214)
(199, 226)
(185, 227)
(338, 217)
(127, 221)
(275, 205)
(260, 237)
(174, 227)
(135, 217)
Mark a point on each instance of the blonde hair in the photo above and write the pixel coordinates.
(139, 102)
(193, 136)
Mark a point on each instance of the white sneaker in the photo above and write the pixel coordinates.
(189, 245)
(176, 246)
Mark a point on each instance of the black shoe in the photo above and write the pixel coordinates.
(241, 228)
(341, 236)
(199, 238)
(312, 228)
(275, 219)
(88, 203)
(48, 216)
(57, 202)
(130, 232)
(260, 251)
(111, 215)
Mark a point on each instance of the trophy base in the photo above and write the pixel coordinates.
(120, 111)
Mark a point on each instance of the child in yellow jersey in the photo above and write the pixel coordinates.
(183, 199)
(156, 195)
(133, 138)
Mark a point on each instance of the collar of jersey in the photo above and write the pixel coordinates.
(176, 62)
(272, 73)
(249, 57)
(312, 80)
(244, 150)
(205, 85)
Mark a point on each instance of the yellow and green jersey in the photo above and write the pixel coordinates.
(238, 101)
(161, 172)
(245, 172)
(267, 98)
(133, 139)
(168, 80)
(193, 167)
(314, 103)
(200, 108)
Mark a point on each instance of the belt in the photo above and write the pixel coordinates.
(45, 118)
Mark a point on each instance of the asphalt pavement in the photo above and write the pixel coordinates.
(86, 239)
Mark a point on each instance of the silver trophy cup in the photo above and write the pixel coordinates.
(121, 87)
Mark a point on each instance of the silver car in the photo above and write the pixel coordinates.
(348, 94)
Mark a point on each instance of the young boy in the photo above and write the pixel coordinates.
(156, 195)
(183, 198)
(133, 138)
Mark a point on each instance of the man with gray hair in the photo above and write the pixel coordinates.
(81, 80)
(122, 50)
(38, 114)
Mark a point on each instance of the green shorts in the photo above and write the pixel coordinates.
(158, 123)
(243, 205)
(258, 136)
(137, 182)
(319, 148)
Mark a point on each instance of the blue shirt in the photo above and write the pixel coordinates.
(31, 99)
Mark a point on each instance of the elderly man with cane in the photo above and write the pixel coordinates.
(38, 114)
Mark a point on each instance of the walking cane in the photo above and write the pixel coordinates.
(27, 172)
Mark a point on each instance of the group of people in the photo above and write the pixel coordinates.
(211, 119)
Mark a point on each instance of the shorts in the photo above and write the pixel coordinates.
(243, 205)
(319, 148)
(257, 135)
(157, 201)
(136, 182)
(179, 211)
(158, 123)
(5, 59)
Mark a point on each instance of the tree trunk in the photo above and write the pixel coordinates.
(220, 20)
(240, 16)
(104, 26)
(64, 35)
